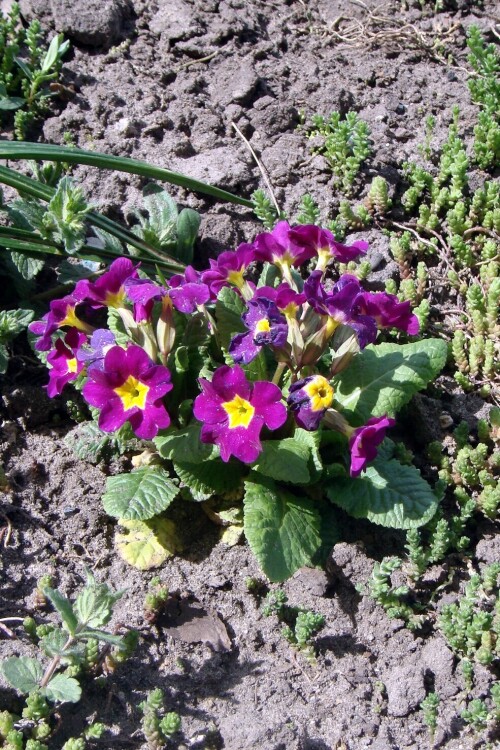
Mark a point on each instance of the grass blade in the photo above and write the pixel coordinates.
(51, 152)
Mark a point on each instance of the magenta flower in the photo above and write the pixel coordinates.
(229, 269)
(266, 327)
(279, 247)
(129, 388)
(389, 312)
(63, 363)
(286, 299)
(234, 411)
(341, 305)
(188, 291)
(109, 289)
(365, 440)
(325, 246)
(309, 399)
(62, 313)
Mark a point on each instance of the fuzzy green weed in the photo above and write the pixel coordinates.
(299, 625)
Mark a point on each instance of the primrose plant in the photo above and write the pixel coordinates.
(258, 379)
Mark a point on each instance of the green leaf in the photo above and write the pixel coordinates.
(139, 495)
(117, 326)
(312, 441)
(27, 267)
(22, 672)
(383, 377)
(52, 54)
(284, 460)
(12, 102)
(210, 477)
(283, 530)
(147, 544)
(94, 604)
(102, 635)
(54, 644)
(184, 445)
(26, 70)
(188, 225)
(228, 311)
(388, 493)
(64, 608)
(13, 322)
(63, 689)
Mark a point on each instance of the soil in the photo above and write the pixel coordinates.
(164, 81)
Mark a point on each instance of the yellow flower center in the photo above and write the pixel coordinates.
(263, 326)
(132, 393)
(239, 411)
(290, 311)
(324, 257)
(236, 278)
(320, 393)
(72, 364)
(72, 320)
(115, 299)
(331, 326)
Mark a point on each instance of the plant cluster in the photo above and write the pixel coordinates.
(73, 650)
(299, 625)
(27, 69)
(158, 726)
(345, 144)
(274, 372)
(484, 89)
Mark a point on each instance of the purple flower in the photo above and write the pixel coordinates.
(325, 246)
(286, 299)
(62, 313)
(341, 305)
(93, 355)
(279, 247)
(266, 327)
(365, 440)
(234, 411)
(109, 289)
(63, 363)
(129, 388)
(309, 399)
(389, 312)
(228, 269)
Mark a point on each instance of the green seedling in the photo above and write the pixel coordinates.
(158, 726)
(155, 600)
(299, 625)
(430, 706)
(394, 599)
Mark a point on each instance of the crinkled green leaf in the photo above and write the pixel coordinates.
(383, 377)
(284, 460)
(312, 441)
(147, 544)
(22, 672)
(94, 604)
(116, 326)
(13, 322)
(184, 445)
(282, 529)
(140, 494)
(388, 493)
(54, 644)
(64, 608)
(210, 477)
(63, 689)
(27, 267)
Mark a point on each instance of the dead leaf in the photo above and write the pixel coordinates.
(190, 622)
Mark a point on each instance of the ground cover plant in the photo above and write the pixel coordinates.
(395, 644)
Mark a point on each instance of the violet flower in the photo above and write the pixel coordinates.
(266, 327)
(365, 440)
(342, 306)
(188, 291)
(234, 411)
(63, 363)
(325, 246)
(229, 269)
(389, 312)
(93, 355)
(309, 399)
(129, 388)
(109, 289)
(62, 313)
(286, 299)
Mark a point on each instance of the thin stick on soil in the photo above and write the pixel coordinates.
(260, 166)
